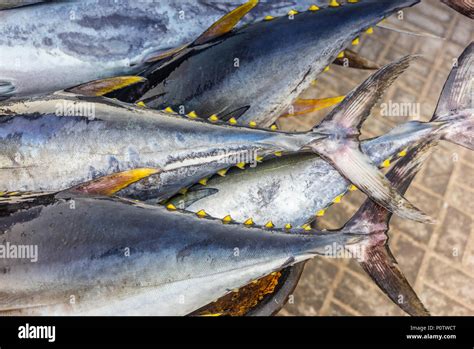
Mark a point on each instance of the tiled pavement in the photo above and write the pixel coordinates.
(438, 260)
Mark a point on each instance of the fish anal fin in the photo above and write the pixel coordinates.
(106, 86)
(226, 23)
(111, 184)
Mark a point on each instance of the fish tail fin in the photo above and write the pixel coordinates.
(456, 104)
(466, 7)
(372, 220)
(339, 144)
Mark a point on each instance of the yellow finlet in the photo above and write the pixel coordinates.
(169, 110)
(402, 153)
(370, 31)
(355, 42)
(352, 187)
(313, 8)
(274, 127)
(288, 226)
(213, 118)
(203, 181)
(268, 18)
(338, 199)
(259, 158)
(241, 165)
(252, 124)
(249, 222)
(227, 219)
(222, 173)
(183, 191)
(334, 3)
(171, 207)
(321, 213)
(352, 1)
(278, 153)
(306, 227)
(141, 104)
(201, 214)
(386, 163)
(269, 225)
(292, 12)
(232, 121)
(341, 55)
(326, 69)
(192, 115)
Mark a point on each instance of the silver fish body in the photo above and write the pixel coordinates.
(51, 46)
(255, 73)
(134, 259)
(51, 150)
(291, 190)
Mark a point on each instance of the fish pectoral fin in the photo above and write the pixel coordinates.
(383, 269)
(306, 106)
(226, 23)
(7, 89)
(111, 184)
(106, 86)
(192, 196)
(352, 59)
(165, 54)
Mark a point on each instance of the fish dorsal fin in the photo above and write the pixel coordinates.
(219, 28)
(226, 23)
(111, 184)
(103, 87)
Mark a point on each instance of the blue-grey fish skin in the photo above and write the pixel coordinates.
(55, 45)
(292, 190)
(256, 72)
(52, 150)
(116, 257)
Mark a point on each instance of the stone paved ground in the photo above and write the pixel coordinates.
(438, 260)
